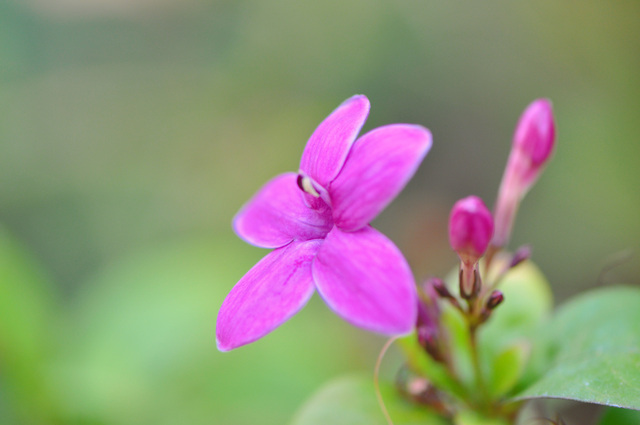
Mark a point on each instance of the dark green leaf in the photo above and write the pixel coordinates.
(613, 416)
(597, 359)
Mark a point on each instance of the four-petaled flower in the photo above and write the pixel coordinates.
(317, 221)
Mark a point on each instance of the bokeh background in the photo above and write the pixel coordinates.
(132, 131)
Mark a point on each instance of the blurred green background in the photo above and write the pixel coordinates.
(132, 131)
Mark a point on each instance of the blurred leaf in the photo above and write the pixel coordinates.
(507, 368)
(527, 302)
(352, 401)
(458, 336)
(520, 319)
(420, 362)
(597, 338)
(467, 417)
(613, 416)
(26, 324)
(141, 346)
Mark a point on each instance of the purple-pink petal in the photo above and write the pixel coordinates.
(277, 214)
(364, 278)
(380, 164)
(330, 143)
(268, 295)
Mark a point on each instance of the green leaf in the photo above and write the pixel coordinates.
(528, 303)
(516, 322)
(351, 400)
(596, 338)
(613, 416)
(507, 369)
(468, 417)
(26, 327)
(140, 346)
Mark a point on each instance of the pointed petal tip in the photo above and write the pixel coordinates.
(543, 101)
(423, 136)
(222, 347)
(359, 98)
(380, 164)
(330, 143)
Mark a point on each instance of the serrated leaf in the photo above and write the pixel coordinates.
(351, 400)
(597, 359)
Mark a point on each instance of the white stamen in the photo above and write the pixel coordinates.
(307, 186)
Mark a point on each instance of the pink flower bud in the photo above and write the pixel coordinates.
(533, 144)
(470, 229)
(534, 139)
(494, 300)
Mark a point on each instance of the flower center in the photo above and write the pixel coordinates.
(305, 184)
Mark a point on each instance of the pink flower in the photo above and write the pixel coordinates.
(533, 144)
(317, 221)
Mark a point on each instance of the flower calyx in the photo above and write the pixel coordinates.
(470, 231)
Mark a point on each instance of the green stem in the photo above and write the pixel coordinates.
(481, 385)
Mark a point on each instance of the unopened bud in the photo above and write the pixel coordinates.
(427, 330)
(535, 133)
(494, 300)
(470, 229)
(436, 286)
(439, 286)
(522, 254)
(428, 339)
(533, 144)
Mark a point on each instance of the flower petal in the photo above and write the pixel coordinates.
(379, 166)
(277, 214)
(364, 278)
(268, 295)
(329, 144)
